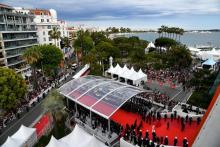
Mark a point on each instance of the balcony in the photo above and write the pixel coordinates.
(20, 46)
(17, 29)
(2, 63)
(19, 38)
(15, 62)
(2, 21)
(10, 21)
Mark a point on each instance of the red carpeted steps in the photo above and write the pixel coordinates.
(122, 117)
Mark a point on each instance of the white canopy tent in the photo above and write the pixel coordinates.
(205, 55)
(24, 137)
(150, 45)
(210, 64)
(78, 137)
(126, 74)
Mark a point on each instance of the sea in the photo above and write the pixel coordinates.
(192, 39)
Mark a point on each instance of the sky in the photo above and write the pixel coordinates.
(136, 14)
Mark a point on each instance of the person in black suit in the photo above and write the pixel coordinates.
(175, 141)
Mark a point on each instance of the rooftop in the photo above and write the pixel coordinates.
(101, 95)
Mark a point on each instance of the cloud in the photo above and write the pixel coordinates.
(97, 10)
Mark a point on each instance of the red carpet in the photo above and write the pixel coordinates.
(122, 117)
(42, 124)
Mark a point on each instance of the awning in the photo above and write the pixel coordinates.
(100, 95)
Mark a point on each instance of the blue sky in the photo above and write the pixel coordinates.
(151, 14)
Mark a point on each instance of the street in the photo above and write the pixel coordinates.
(27, 118)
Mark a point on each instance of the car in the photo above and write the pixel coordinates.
(74, 66)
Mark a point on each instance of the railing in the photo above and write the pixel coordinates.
(20, 38)
(17, 29)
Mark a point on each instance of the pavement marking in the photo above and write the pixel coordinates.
(176, 95)
(189, 96)
(20, 119)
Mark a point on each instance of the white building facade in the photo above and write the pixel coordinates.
(45, 21)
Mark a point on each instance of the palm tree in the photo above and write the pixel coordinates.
(54, 105)
(55, 34)
(66, 41)
(159, 31)
(181, 32)
(32, 56)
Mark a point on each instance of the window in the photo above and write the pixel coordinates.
(41, 13)
(47, 20)
(49, 27)
(42, 20)
(43, 32)
(50, 39)
(44, 39)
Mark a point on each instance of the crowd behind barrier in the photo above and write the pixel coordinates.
(170, 76)
(33, 96)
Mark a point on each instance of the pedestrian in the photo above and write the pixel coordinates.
(171, 116)
(175, 141)
(166, 141)
(184, 141)
(168, 125)
(198, 120)
(190, 121)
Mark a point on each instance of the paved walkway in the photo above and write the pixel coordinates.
(176, 94)
(26, 120)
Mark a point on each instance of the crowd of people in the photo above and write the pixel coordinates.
(133, 133)
(27, 102)
(168, 75)
(156, 96)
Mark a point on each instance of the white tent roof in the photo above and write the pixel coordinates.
(78, 137)
(141, 74)
(204, 55)
(20, 137)
(130, 74)
(126, 73)
(209, 62)
(111, 69)
(123, 71)
(55, 143)
(12, 142)
(117, 69)
(24, 133)
(151, 45)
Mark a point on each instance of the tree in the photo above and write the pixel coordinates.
(51, 59)
(108, 49)
(12, 89)
(66, 41)
(99, 36)
(165, 42)
(179, 56)
(54, 105)
(83, 42)
(32, 56)
(55, 34)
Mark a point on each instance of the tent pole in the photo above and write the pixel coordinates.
(76, 109)
(90, 117)
(67, 103)
(109, 125)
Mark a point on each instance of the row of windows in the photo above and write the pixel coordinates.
(47, 20)
(46, 27)
(45, 39)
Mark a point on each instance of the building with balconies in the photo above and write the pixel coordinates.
(17, 33)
